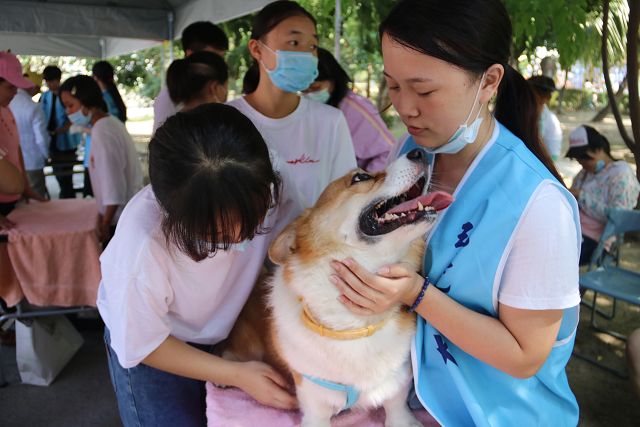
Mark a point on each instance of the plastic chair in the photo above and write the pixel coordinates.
(609, 278)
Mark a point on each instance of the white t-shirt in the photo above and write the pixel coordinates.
(541, 271)
(150, 290)
(114, 167)
(163, 108)
(551, 132)
(314, 142)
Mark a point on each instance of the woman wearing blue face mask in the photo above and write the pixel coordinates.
(372, 140)
(602, 184)
(312, 138)
(498, 298)
(114, 166)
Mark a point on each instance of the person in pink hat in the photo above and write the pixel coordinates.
(603, 183)
(10, 80)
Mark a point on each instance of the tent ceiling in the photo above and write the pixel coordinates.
(105, 27)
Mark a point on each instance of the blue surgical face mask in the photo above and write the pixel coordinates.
(295, 71)
(600, 164)
(79, 118)
(466, 134)
(321, 95)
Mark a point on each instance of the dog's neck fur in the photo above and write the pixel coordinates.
(312, 286)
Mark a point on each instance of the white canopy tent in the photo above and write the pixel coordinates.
(105, 28)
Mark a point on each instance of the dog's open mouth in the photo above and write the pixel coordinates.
(384, 216)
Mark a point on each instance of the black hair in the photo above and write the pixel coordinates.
(51, 72)
(211, 172)
(86, 90)
(104, 72)
(202, 34)
(472, 35)
(265, 21)
(595, 141)
(330, 69)
(187, 77)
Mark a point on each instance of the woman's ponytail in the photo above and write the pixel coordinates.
(251, 79)
(517, 110)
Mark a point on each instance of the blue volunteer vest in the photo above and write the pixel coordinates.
(470, 245)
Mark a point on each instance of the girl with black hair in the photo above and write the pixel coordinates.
(184, 259)
(114, 167)
(498, 300)
(103, 75)
(197, 79)
(372, 140)
(602, 184)
(312, 138)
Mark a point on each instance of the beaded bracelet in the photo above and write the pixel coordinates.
(418, 300)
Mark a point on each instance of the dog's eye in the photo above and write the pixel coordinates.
(359, 177)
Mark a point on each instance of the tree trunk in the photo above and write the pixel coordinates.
(561, 96)
(607, 79)
(600, 115)
(632, 72)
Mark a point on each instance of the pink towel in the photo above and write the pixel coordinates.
(234, 408)
(54, 253)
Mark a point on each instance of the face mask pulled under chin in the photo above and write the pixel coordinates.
(465, 134)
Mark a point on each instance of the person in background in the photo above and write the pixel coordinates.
(63, 145)
(550, 130)
(103, 75)
(603, 183)
(184, 259)
(311, 137)
(201, 35)
(32, 128)
(200, 78)
(10, 80)
(372, 140)
(114, 166)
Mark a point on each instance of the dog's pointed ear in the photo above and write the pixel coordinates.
(284, 245)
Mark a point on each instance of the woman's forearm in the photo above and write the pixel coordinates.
(179, 358)
(488, 338)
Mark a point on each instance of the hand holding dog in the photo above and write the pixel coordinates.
(265, 385)
(367, 293)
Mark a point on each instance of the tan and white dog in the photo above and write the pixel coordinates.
(310, 335)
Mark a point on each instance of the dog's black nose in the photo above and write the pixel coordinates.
(417, 155)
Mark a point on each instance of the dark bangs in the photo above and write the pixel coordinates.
(211, 173)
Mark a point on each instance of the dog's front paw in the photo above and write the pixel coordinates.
(402, 419)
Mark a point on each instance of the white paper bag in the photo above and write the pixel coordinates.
(44, 345)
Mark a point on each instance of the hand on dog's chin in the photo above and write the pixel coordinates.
(365, 293)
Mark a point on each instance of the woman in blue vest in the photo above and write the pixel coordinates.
(498, 299)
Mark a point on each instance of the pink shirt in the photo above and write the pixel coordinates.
(372, 140)
(10, 142)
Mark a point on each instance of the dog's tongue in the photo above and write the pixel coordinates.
(437, 200)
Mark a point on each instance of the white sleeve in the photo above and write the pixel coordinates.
(40, 133)
(541, 271)
(109, 158)
(137, 310)
(344, 156)
(553, 135)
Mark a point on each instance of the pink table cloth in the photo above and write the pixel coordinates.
(234, 408)
(52, 257)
